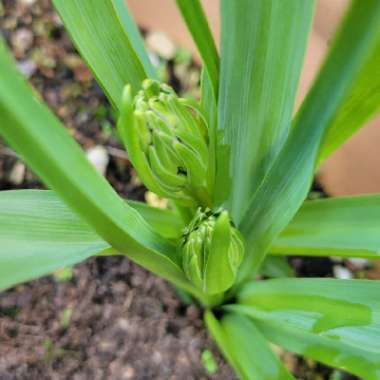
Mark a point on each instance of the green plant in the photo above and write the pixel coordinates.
(237, 168)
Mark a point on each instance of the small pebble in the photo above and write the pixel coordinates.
(358, 262)
(98, 156)
(192, 312)
(129, 373)
(106, 346)
(27, 67)
(123, 324)
(22, 40)
(157, 357)
(160, 44)
(341, 272)
(155, 201)
(17, 174)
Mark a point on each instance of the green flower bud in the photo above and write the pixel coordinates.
(212, 251)
(167, 142)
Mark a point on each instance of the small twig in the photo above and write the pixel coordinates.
(116, 152)
(8, 152)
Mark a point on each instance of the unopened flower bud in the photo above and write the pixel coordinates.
(167, 142)
(212, 251)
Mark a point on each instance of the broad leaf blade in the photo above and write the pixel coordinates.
(208, 102)
(360, 104)
(262, 48)
(38, 234)
(333, 321)
(246, 349)
(99, 35)
(287, 183)
(217, 332)
(164, 221)
(276, 267)
(45, 145)
(134, 35)
(347, 227)
(196, 21)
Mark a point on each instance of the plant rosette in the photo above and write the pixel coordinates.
(236, 167)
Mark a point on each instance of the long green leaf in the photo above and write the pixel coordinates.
(219, 153)
(245, 348)
(166, 222)
(276, 267)
(333, 227)
(262, 48)
(97, 31)
(39, 233)
(46, 146)
(333, 321)
(360, 104)
(287, 183)
(196, 21)
(134, 36)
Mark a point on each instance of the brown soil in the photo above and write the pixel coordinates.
(124, 324)
(110, 319)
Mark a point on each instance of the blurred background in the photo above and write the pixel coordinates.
(354, 168)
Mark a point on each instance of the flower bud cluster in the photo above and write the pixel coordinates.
(167, 142)
(212, 250)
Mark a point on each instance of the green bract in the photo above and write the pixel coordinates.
(236, 167)
(212, 250)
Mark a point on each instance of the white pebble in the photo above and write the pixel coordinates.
(17, 174)
(341, 272)
(98, 156)
(22, 40)
(27, 67)
(358, 262)
(160, 44)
